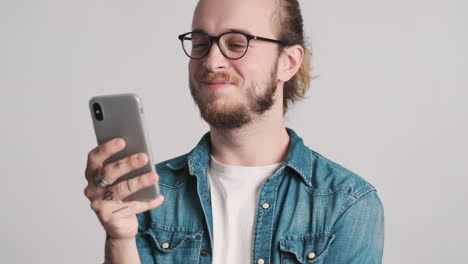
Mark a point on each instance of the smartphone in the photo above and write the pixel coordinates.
(121, 115)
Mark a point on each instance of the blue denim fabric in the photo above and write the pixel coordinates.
(319, 213)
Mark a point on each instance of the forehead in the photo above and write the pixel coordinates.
(218, 16)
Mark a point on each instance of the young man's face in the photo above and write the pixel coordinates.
(231, 93)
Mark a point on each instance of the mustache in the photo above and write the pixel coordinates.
(218, 76)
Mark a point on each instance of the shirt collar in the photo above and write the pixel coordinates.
(299, 158)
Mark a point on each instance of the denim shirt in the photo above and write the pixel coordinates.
(319, 213)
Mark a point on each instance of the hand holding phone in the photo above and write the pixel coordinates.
(117, 216)
(123, 162)
(121, 116)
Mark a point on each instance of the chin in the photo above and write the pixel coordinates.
(221, 105)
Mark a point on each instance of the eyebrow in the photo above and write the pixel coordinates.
(199, 30)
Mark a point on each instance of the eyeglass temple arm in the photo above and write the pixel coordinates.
(184, 38)
(267, 39)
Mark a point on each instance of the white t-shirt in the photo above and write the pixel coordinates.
(234, 194)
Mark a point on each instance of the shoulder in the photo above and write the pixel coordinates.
(343, 188)
(173, 164)
(328, 177)
(321, 175)
(172, 171)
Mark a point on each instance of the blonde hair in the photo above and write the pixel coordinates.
(291, 32)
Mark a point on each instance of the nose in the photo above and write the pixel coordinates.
(215, 60)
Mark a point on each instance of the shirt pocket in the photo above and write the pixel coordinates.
(305, 249)
(175, 245)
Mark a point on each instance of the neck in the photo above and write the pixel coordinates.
(263, 142)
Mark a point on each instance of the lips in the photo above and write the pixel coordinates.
(217, 84)
(210, 82)
(215, 81)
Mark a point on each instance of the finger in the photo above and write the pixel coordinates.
(114, 170)
(105, 204)
(90, 191)
(93, 192)
(115, 194)
(102, 152)
(136, 207)
(133, 185)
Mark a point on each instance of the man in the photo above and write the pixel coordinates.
(250, 191)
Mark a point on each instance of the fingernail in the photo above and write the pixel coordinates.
(119, 142)
(152, 176)
(141, 157)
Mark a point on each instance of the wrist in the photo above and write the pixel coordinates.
(122, 250)
(120, 239)
(119, 242)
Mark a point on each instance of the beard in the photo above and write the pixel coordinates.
(241, 114)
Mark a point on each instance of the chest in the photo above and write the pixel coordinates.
(290, 223)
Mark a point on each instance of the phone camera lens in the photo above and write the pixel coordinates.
(98, 112)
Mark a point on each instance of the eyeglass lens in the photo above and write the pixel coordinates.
(232, 45)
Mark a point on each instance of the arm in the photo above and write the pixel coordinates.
(117, 216)
(121, 251)
(359, 233)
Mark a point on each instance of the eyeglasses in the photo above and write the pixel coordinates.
(233, 45)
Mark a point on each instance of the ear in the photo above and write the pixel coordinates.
(290, 61)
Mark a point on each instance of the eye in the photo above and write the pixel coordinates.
(237, 46)
(200, 45)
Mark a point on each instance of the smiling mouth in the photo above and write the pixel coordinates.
(215, 85)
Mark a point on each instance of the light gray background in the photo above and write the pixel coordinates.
(390, 104)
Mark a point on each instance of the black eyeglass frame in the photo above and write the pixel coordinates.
(216, 38)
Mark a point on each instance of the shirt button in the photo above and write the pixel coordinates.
(265, 206)
(311, 255)
(165, 245)
(260, 261)
(204, 253)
